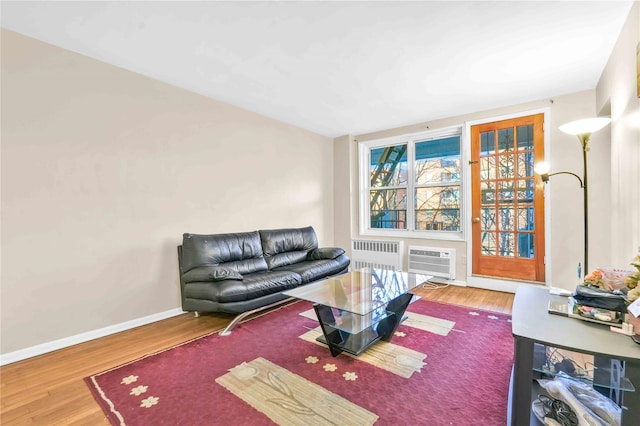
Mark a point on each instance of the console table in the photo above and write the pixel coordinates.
(533, 326)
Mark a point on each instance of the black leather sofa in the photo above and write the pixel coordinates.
(242, 273)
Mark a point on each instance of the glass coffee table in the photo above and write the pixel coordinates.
(359, 308)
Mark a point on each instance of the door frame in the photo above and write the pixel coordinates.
(496, 283)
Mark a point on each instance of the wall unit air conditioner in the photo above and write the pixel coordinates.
(439, 262)
(376, 254)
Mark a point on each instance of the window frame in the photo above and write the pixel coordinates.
(364, 160)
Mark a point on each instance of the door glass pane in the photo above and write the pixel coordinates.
(525, 218)
(525, 190)
(505, 244)
(438, 208)
(487, 143)
(525, 164)
(488, 168)
(507, 219)
(388, 166)
(505, 166)
(488, 197)
(388, 208)
(488, 241)
(505, 140)
(525, 137)
(525, 245)
(487, 193)
(488, 218)
(505, 192)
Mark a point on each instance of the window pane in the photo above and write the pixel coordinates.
(438, 208)
(388, 208)
(438, 161)
(388, 166)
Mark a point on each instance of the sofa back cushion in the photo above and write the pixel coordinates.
(239, 251)
(287, 246)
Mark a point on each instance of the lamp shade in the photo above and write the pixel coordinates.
(584, 126)
(542, 168)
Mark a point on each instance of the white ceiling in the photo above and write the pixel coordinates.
(340, 68)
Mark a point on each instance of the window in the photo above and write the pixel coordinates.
(411, 185)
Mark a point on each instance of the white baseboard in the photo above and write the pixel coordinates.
(43, 348)
(440, 280)
(496, 284)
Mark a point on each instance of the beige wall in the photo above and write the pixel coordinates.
(616, 94)
(564, 194)
(104, 169)
(343, 192)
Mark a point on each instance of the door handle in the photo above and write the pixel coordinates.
(476, 219)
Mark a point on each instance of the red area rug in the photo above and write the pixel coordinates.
(463, 377)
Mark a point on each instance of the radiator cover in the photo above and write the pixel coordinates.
(376, 254)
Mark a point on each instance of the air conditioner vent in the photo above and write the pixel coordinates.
(439, 262)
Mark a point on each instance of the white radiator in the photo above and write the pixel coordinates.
(439, 262)
(376, 254)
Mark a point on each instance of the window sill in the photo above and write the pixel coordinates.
(423, 235)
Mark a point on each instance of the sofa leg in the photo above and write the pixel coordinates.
(240, 317)
(196, 314)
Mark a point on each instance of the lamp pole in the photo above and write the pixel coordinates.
(584, 140)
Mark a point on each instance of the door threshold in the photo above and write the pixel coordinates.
(508, 279)
(506, 285)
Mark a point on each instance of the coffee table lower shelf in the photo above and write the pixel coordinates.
(353, 344)
(355, 340)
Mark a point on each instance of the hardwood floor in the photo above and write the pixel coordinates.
(49, 389)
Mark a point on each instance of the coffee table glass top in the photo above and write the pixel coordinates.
(360, 291)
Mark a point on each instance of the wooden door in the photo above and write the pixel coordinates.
(508, 199)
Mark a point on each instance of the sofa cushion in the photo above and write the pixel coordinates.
(325, 253)
(211, 273)
(252, 286)
(313, 270)
(241, 251)
(287, 246)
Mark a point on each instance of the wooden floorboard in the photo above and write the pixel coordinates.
(50, 389)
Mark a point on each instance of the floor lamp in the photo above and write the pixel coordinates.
(583, 130)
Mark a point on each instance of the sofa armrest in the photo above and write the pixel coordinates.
(325, 253)
(211, 273)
